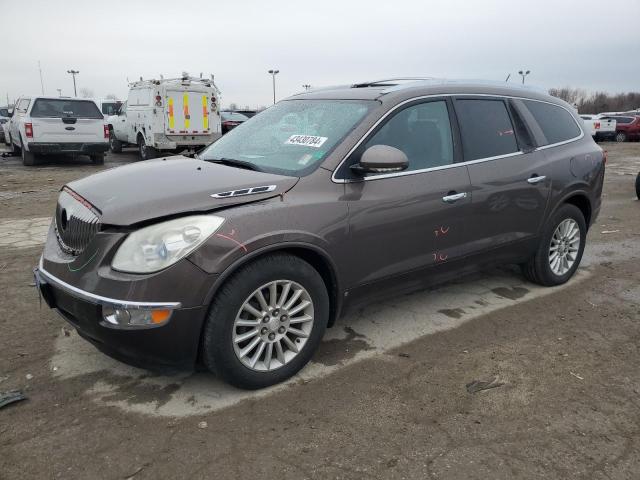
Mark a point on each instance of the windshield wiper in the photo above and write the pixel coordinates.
(232, 162)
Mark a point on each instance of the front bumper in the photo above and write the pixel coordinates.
(63, 147)
(172, 344)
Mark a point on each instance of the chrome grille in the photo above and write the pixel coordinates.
(76, 222)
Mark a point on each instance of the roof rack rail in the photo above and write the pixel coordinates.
(389, 82)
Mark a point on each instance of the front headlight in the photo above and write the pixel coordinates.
(156, 247)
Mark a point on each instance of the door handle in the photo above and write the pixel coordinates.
(534, 180)
(454, 197)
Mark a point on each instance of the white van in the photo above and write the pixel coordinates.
(108, 106)
(167, 115)
(41, 125)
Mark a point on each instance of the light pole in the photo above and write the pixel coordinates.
(59, 91)
(306, 86)
(523, 74)
(74, 73)
(273, 76)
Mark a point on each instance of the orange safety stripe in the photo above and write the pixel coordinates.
(205, 113)
(185, 107)
(172, 120)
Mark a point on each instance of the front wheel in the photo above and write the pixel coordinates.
(266, 322)
(621, 137)
(146, 152)
(115, 145)
(560, 249)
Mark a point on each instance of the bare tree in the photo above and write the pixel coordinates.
(597, 102)
(233, 106)
(86, 92)
(111, 96)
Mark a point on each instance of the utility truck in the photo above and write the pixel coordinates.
(167, 116)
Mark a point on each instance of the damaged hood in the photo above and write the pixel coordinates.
(157, 188)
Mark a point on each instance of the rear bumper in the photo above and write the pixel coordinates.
(67, 147)
(172, 344)
(173, 142)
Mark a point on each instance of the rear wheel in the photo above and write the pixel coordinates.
(621, 137)
(560, 249)
(146, 152)
(266, 322)
(638, 186)
(115, 145)
(28, 158)
(97, 159)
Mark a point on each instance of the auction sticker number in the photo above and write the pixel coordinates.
(306, 140)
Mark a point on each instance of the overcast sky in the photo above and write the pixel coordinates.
(589, 44)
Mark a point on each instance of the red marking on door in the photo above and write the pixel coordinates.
(233, 240)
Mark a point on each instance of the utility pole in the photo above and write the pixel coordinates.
(73, 74)
(41, 82)
(306, 86)
(523, 74)
(273, 76)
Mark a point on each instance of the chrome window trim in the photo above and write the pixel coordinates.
(98, 299)
(452, 165)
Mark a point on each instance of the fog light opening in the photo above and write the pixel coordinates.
(132, 318)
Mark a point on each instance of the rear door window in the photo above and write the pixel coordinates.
(557, 124)
(486, 128)
(23, 105)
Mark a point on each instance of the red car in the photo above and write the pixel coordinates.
(627, 127)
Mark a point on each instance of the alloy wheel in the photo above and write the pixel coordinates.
(273, 325)
(564, 247)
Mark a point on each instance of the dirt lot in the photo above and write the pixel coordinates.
(385, 396)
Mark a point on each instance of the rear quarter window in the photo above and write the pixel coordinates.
(63, 108)
(486, 128)
(556, 123)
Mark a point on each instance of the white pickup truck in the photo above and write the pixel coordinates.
(599, 128)
(167, 115)
(41, 125)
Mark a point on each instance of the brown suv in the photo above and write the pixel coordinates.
(241, 257)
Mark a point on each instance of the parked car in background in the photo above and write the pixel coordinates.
(4, 118)
(167, 116)
(109, 107)
(627, 127)
(242, 256)
(43, 125)
(247, 113)
(600, 128)
(231, 120)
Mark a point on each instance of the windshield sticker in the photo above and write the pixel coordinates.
(306, 140)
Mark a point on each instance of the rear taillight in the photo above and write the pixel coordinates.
(28, 130)
(158, 101)
(597, 125)
(106, 131)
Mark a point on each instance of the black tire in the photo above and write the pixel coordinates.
(621, 137)
(97, 159)
(218, 352)
(28, 158)
(146, 152)
(115, 145)
(537, 269)
(638, 186)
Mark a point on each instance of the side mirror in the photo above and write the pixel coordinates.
(381, 159)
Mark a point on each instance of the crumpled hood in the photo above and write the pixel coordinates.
(156, 188)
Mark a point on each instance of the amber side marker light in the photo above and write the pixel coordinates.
(131, 319)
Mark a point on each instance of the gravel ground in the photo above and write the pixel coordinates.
(385, 397)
